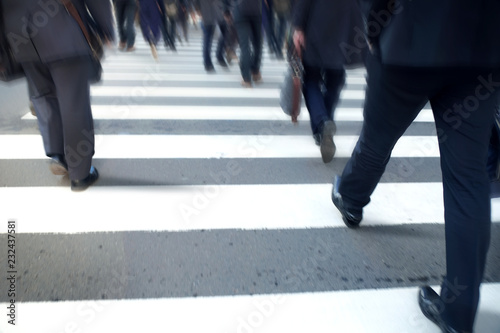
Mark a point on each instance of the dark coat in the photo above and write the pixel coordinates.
(427, 33)
(333, 31)
(44, 31)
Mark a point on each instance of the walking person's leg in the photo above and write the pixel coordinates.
(73, 94)
(463, 119)
(130, 13)
(391, 104)
(120, 14)
(221, 44)
(256, 39)
(208, 34)
(244, 31)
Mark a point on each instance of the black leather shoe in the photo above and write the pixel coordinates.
(351, 219)
(58, 165)
(83, 184)
(431, 305)
(327, 147)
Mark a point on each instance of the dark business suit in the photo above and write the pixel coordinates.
(248, 22)
(446, 53)
(56, 59)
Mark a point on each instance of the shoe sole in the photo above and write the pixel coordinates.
(58, 169)
(327, 146)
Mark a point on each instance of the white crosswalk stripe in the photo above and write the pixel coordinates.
(135, 89)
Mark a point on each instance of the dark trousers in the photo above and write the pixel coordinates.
(321, 89)
(125, 19)
(249, 29)
(168, 31)
(268, 24)
(61, 96)
(463, 102)
(208, 35)
(281, 28)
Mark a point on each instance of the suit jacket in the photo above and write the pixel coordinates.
(429, 33)
(334, 32)
(44, 31)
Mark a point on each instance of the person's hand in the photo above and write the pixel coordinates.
(299, 41)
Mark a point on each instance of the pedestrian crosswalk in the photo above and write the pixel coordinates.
(213, 214)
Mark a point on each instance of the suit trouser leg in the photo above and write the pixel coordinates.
(244, 34)
(130, 11)
(391, 104)
(256, 38)
(321, 104)
(221, 43)
(208, 35)
(73, 94)
(44, 99)
(120, 14)
(464, 116)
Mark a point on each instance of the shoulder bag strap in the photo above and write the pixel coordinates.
(70, 8)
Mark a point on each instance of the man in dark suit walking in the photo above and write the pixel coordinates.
(55, 56)
(248, 22)
(446, 53)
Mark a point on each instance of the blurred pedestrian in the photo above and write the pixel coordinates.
(247, 15)
(151, 14)
(57, 63)
(183, 19)
(212, 16)
(125, 12)
(321, 29)
(268, 24)
(442, 63)
(166, 28)
(283, 11)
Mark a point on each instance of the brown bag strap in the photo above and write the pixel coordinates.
(70, 8)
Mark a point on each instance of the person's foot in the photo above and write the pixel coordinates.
(122, 45)
(130, 49)
(257, 77)
(246, 84)
(154, 52)
(83, 184)
(210, 68)
(58, 165)
(431, 306)
(351, 219)
(327, 146)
